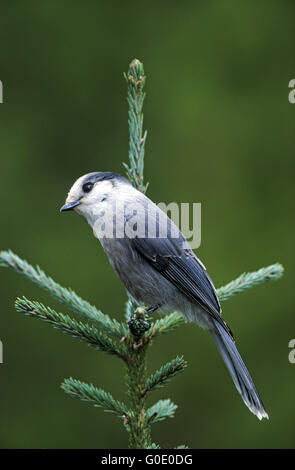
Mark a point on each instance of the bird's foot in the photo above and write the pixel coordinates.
(151, 310)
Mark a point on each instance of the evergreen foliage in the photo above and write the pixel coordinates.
(128, 340)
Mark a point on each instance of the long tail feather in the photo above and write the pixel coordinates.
(239, 372)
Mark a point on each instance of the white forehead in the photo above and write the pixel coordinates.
(75, 190)
(104, 186)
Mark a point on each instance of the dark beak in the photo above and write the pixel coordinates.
(69, 206)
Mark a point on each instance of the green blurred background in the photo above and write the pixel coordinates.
(220, 132)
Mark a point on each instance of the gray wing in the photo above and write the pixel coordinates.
(183, 269)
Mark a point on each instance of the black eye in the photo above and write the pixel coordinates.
(87, 187)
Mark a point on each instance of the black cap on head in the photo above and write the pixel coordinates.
(97, 176)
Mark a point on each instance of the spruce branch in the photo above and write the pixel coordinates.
(96, 396)
(164, 374)
(161, 410)
(154, 446)
(167, 323)
(135, 96)
(139, 322)
(140, 430)
(66, 296)
(86, 333)
(244, 281)
(130, 306)
(247, 280)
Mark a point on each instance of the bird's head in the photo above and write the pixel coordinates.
(92, 193)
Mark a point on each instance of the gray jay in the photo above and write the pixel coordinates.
(155, 263)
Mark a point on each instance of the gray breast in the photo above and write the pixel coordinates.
(143, 282)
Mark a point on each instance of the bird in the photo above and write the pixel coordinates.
(156, 264)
